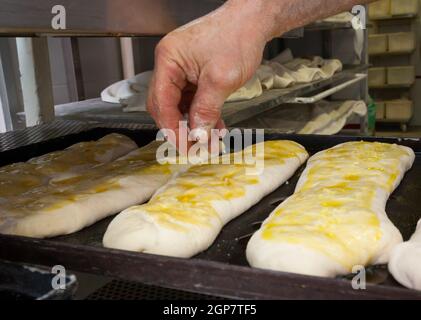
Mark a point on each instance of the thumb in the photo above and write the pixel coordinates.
(205, 110)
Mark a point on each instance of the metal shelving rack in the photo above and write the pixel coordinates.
(358, 90)
(146, 18)
(232, 113)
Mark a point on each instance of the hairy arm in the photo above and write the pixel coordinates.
(197, 66)
(280, 16)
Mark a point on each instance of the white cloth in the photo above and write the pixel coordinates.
(131, 93)
(405, 261)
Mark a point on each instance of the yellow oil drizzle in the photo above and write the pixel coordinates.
(17, 184)
(81, 155)
(331, 212)
(61, 192)
(189, 200)
(19, 178)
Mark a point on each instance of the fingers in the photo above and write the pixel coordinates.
(170, 96)
(205, 111)
(151, 107)
(165, 94)
(187, 98)
(220, 124)
(164, 97)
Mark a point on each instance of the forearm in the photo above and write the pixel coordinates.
(216, 54)
(275, 17)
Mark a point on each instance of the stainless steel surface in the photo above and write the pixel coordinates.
(324, 94)
(35, 80)
(105, 17)
(101, 17)
(10, 89)
(99, 111)
(5, 117)
(327, 25)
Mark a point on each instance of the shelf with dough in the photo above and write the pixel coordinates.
(235, 112)
(322, 118)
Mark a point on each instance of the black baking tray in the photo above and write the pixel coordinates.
(24, 282)
(222, 270)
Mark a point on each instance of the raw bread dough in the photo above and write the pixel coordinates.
(187, 214)
(336, 218)
(18, 178)
(266, 76)
(304, 71)
(282, 77)
(282, 72)
(78, 200)
(250, 90)
(405, 261)
(332, 122)
(83, 156)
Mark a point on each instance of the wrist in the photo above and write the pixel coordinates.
(263, 16)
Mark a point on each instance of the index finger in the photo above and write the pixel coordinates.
(164, 96)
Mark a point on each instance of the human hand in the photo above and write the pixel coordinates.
(200, 64)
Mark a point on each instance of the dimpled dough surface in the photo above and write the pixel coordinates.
(68, 203)
(336, 218)
(82, 156)
(187, 214)
(21, 177)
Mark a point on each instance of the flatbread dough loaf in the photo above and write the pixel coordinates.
(83, 156)
(336, 218)
(187, 214)
(275, 74)
(251, 89)
(71, 203)
(18, 178)
(405, 261)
